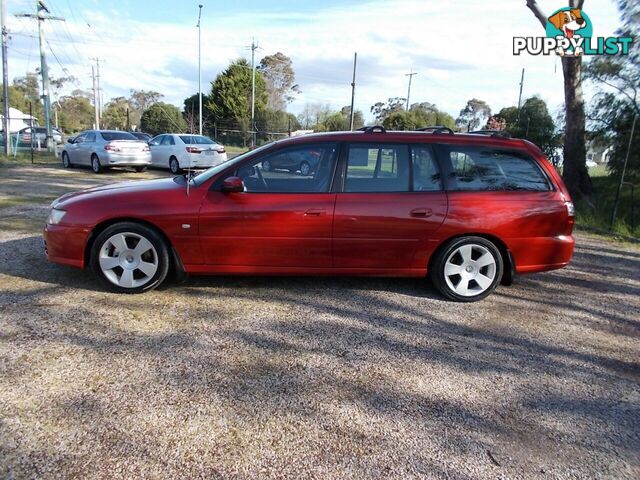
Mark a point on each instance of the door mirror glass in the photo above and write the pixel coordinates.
(70, 140)
(232, 185)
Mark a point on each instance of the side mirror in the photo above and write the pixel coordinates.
(70, 140)
(232, 185)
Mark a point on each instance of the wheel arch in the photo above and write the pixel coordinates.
(507, 258)
(176, 267)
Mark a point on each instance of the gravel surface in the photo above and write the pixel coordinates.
(311, 377)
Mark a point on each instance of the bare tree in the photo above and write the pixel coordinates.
(575, 173)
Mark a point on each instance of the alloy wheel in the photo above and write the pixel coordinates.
(128, 260)
(470, 270)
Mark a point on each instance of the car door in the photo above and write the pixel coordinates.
(74, 149)
(154, 146)
(168, 149)
(282, 220)
(88, 147)
(390, 207)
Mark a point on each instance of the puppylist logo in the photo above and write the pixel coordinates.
(570, 33)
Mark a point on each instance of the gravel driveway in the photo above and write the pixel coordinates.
(322, 378)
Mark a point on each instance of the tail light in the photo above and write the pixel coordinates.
(193, 150)
(220, 150)
(146, 148)
(571, 213)
(111, 148)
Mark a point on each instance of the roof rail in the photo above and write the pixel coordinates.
(373, 129)
(436, 129)
(493, 133)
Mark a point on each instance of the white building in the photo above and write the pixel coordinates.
(17, 120)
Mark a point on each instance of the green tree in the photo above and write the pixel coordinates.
(29, 87)
(191, 113)
(76, 112)
(115, 114)
(280, 80)
(230, 98)
(474, 115)
(617, 101)
(426, 114)
(358, 117)
(400, 121)
(162, 118)
(534, 123)
(382, 110)
(140, 100)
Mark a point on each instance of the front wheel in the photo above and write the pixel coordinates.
(66, 163)
(266, 166)
(467, 269)
(305, 169)
(129, 257)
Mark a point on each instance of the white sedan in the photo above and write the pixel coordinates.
(178, 151)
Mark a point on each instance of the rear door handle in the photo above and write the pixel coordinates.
(421, 212)
(316, 212)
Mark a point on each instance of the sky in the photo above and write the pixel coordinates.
(460, 50)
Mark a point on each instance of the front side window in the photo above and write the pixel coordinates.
(155, 141)
(377, 168)
(493, 169)
(307, 168)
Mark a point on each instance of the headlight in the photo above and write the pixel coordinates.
(55, 216)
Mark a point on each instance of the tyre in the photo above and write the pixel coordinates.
(129, 257)
(66, 163)
(467, 269)
(266, 166)
(95, 164)
(140, 169)
(174, 166)
(305, 169)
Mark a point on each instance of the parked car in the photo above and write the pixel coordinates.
(177, 151)
(103, 149)
(141, 136)
(470, 211)
(304, 162)
(39, 135)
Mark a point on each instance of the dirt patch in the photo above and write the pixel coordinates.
(312, 377)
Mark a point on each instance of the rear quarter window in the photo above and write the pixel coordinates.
(492, 169)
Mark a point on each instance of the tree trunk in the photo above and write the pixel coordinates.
(575, 173)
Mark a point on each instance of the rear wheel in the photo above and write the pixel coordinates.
(66, 163)
(129, 257)
(95, 164)
(174, 166)
(467, 269)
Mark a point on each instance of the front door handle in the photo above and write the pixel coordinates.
(315, 212)
(421, 212)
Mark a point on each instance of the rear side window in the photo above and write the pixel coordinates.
(377, 168)
(168, 140)
(426, 175)
(490, 169)
(90, 137)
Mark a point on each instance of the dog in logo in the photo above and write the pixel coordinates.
(568, 22)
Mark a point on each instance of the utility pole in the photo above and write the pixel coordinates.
(98, 96)
(41, 15)
(353, 89)
(199, 69)
(410, 75)
(254, 47)
(520, 95)
(95, 99)
(5, 81)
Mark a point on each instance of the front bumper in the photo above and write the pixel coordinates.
(65, 244)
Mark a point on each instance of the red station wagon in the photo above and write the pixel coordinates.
(469, 210)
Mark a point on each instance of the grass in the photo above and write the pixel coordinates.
(25, 159)
(596, 213)
(232, 149)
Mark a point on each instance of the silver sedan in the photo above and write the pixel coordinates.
(178, 151)
(102, 149)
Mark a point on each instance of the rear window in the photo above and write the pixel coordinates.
(489, 169)
(109, 136)
(196, 140)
